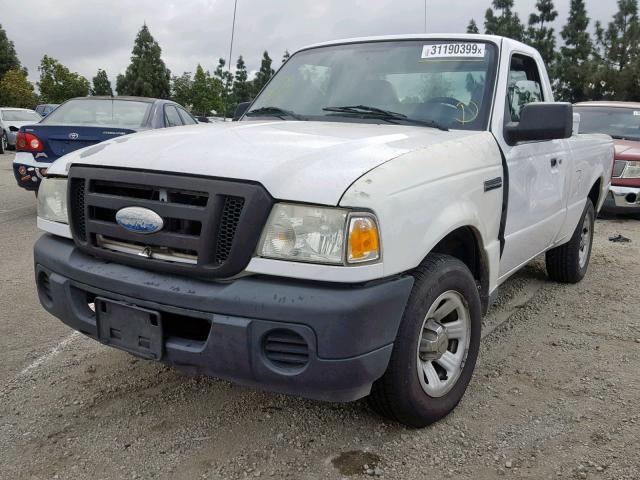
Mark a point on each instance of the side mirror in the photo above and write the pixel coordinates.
(240, 110)
(202, 119)
(541, 121)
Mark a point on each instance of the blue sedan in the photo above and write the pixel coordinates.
(81, 122)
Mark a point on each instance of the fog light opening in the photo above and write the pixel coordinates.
(631, 197)
(44, 288)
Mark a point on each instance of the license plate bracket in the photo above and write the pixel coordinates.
(128, 327)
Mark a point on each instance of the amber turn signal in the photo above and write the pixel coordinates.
(364, 241)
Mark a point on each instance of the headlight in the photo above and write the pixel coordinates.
(319, 235)
(52, 200)
(632, 170)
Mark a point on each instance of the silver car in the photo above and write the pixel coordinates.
(11, 119)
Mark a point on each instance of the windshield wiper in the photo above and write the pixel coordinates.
(387, 115)
(274, 112)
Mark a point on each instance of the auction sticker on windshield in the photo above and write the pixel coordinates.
(454, 50)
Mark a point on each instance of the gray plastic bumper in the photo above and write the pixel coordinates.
(348, 330)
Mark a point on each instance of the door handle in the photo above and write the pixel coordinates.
(554, 162)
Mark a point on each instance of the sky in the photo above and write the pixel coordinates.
(89, 34)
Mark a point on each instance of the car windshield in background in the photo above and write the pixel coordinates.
(100, 113)
(445, 83)
(20, 116)
(618, 122)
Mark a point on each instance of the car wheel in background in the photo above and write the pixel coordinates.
(568, 263)
(436, 347)
(4, 143)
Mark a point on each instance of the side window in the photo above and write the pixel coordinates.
(187, 119)
(171, 116)
(524, 86)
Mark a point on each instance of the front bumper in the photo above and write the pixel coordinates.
(622, 200)
(349, 330)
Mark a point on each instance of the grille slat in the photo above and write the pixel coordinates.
(203, 219)
(160, 239)
(171, 210)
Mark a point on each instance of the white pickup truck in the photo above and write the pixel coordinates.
(341, 240)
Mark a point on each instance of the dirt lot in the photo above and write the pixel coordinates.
(555, 393)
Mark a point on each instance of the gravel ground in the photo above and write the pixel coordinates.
(555, 393)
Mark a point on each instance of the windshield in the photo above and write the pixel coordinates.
(100, 113)
(446, 82)
(618, 122)
(20, 116)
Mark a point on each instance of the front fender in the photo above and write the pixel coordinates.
(424, 195)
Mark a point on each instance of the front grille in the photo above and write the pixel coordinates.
(618, 168)
(286, 349)
(211, 226)
(76, 193)
(228, 225)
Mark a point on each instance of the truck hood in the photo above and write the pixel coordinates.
(312, 162)
(627, 150)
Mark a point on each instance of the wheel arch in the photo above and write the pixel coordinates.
(596, 194)
(465, 243)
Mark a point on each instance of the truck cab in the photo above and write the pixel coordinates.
(345, 236)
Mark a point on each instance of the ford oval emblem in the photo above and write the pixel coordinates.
(139, 220)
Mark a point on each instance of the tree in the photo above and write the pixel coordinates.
(181, 89)
(206, 93)
(225, 79)
(58, 84)
(17, 91)
(101, 84)
(264, 74)
(147, 75)
(618, 51)
(539, 34)
(286, 56)
(8, 57)
(507, 23)
(241, 87)
(574, 66)
(472, 27)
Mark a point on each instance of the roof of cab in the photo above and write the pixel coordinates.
(635, 105)
(426, 36)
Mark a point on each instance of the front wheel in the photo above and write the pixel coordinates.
(568, 263)
(436, 348)
(4, 143)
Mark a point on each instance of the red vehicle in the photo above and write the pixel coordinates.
(621, 120)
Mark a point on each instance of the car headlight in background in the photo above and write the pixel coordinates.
(632, 170)
(307, 233)
(52, 200)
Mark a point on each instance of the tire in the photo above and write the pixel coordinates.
(568, 263)
(4, 143)
(406, 396)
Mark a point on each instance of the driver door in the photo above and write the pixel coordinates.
(537, 200)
